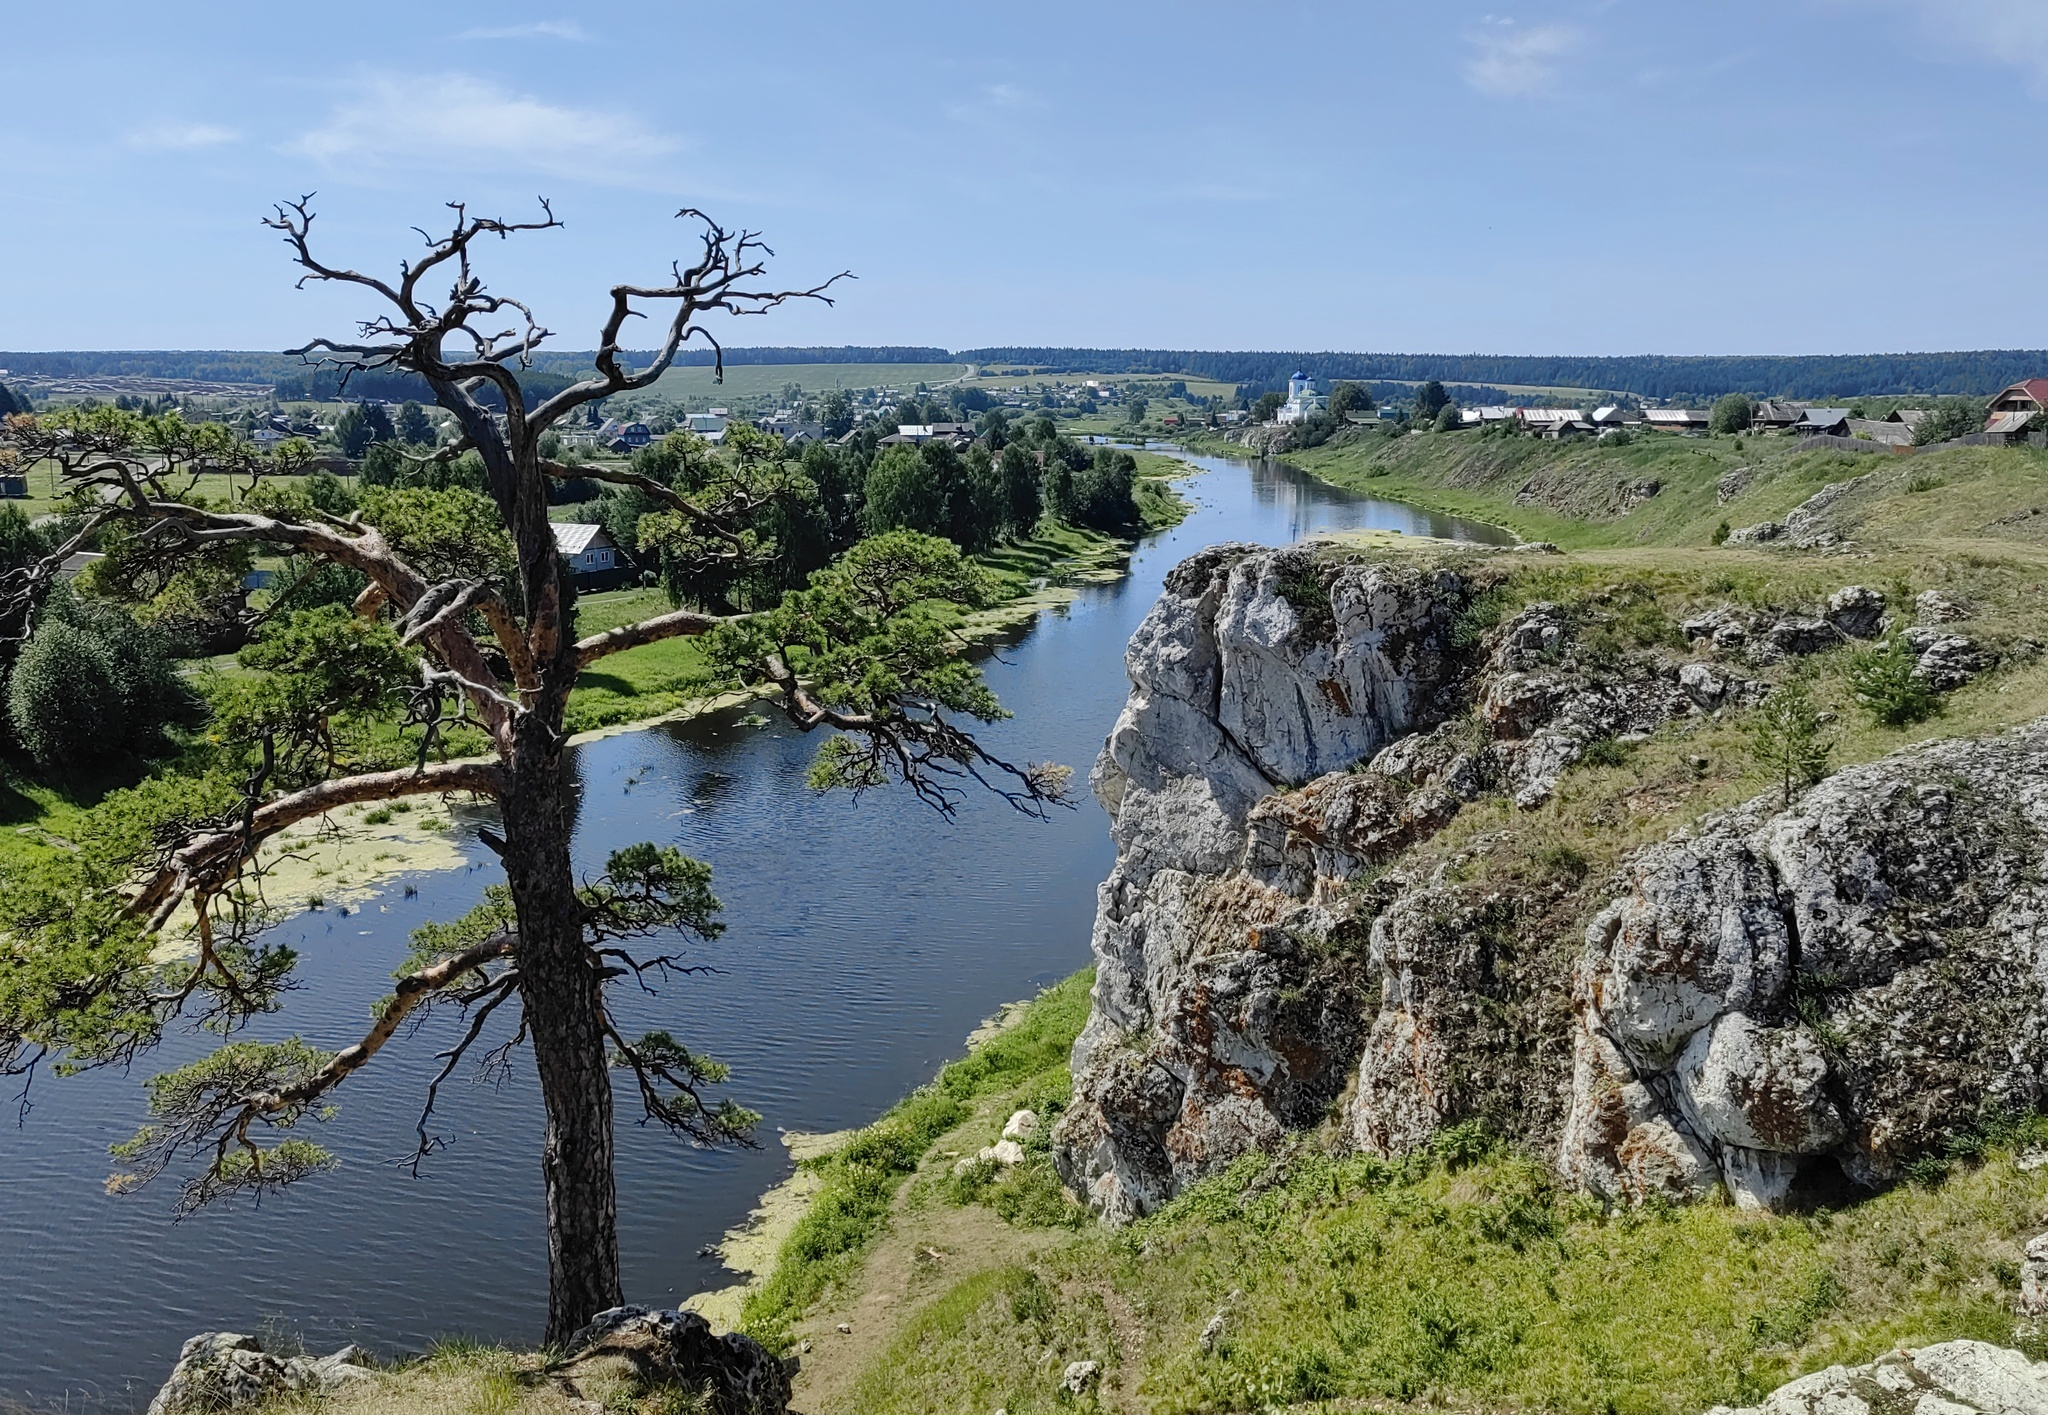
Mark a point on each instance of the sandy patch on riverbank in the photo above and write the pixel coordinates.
(750, 1249)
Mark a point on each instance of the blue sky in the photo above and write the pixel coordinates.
(1582, 176)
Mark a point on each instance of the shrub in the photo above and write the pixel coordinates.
(1949, 419)
(1721, 533)
(92, 682)
(1882, 681)
(61, 697)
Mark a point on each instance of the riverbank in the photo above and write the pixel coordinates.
(1666, 489)
(344, 858)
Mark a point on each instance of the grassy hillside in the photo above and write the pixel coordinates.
(1587, 494)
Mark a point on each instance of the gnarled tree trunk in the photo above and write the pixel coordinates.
(562, 991)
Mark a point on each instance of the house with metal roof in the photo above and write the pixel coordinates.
(593, 557)
(1876, 430)
(1675, 419)
(1823, 422)
(2009, 426)
(2029, 396)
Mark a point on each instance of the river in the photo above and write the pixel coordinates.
(864, 941)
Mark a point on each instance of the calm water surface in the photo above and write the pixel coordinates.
(864, 942)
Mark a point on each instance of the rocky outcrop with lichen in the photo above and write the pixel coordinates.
(1953, 1378)
(1293, 725)
(1821, 992)
(1834, 982)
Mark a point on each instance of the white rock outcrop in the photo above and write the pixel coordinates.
(1773, 997)
(1953, 1378)
(1840, 981)
(220, 1370)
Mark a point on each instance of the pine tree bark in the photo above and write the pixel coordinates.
(562, 991)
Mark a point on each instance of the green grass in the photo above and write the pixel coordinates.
(860, 1180)
(1572, 493)
(639, 683)
(1470, 1283)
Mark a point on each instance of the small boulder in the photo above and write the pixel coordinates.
(1021, 1126)
(1724, 628)
(1947, 661)
(1934, 607)
(1702, 685)
(1757, 534)
(1081, 1377)
(1004, 1152)
(677, 1348)
(1857, 610)
(1803, 634)
(220, 1370)
(2033, 1303)
(1213, 1332)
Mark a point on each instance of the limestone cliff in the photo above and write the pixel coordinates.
(1835, 983)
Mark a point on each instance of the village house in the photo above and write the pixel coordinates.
(1675, 419)
(592, 556)
(1775, 415)
(2008, 427)
(915, 434)
(2029, 396)
(1543, 422)
(1612, 415)
(1878, 430)
(1486, 416)
(1823, 422)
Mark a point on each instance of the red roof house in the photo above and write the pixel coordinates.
(2028, 396)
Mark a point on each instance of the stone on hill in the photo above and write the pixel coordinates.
(1821, 987)
(1021, 1126)
(219, 1370)
(1080, 1377)
(1934, 607)
(2033, 1303)
(1857, 610)
(1953, 1378)
(659, 1347)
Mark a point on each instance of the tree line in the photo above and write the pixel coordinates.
(1818, 376)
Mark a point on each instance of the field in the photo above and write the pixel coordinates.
(695, 387)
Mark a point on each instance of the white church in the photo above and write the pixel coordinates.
(1302, 400)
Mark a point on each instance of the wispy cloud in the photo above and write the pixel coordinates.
(540, 29)
(427, 120)
(994, 100)
(180, 137)
(1509, 61)
(2010, 33)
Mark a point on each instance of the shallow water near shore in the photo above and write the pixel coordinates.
(864, 941)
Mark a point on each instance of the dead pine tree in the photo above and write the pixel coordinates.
(465, 620)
